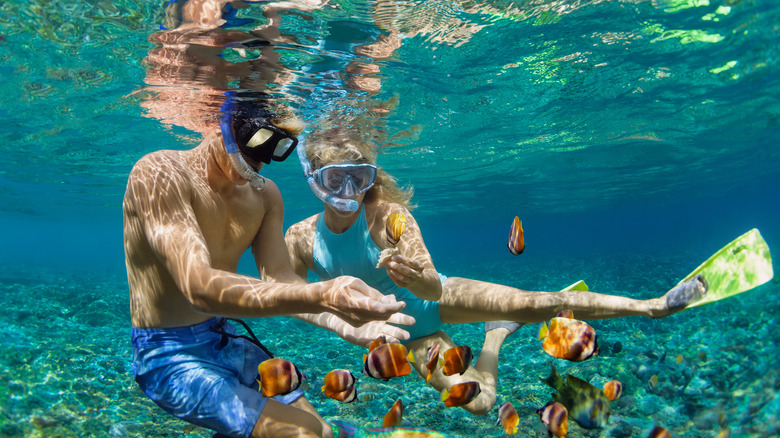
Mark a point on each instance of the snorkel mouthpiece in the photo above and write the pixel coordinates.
(238, 162)
(336, 202)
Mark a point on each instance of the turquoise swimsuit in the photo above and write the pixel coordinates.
(355, 253)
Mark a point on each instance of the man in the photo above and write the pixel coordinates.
(188, 218)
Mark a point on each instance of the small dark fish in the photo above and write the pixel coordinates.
(508, 418)
(460, 394)
(340, 385)
(555, 416)
(613, 390)
(569, 339)
(387, 361)
(456, 360)
(659, 432)
(587, 405)
(516, 243)
(278, 376)
(393, 416)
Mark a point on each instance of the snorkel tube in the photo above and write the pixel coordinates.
(238, 162)
(328, 198)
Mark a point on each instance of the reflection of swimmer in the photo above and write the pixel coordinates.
(189, 216)
(335, 242)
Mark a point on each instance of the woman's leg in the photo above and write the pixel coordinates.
(484, 372)
(465, 300)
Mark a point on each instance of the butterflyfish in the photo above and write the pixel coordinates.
(613, 390)
(565, 314)
(386, 361)
(460, 394)
(556, 417)
(659, 432)
(393, 416)
(456, 360)
(508, 418)
(516, 243)
(432, 360)
(278, 376)
(586, 404)
(395, 227)
(569, 339)
(377, 342)
(340, 385)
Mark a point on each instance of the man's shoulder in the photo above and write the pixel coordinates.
(157, 164)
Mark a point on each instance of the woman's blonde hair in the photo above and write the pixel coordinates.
(346, 145)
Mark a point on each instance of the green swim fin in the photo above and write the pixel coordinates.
(741, 265)
(580, 286)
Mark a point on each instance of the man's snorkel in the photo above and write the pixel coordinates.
(332, 200)
(238, 162)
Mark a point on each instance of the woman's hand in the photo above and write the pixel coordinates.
(411, 274)
(366, 333)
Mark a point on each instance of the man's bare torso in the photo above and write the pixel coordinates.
(225, 220)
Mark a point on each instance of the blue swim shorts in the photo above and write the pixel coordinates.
(203, 377)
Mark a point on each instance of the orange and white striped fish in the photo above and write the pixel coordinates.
(659, 432)
(386, 361)
(569, 339)
(508, 418)
(556, 418)
(456, 360)
(613, 390)
(460, 394)
(340, 385)
(393, 416)
(516, 243)
(278, 376)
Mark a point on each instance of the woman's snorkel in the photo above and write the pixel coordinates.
(238, 162)
(332, 200)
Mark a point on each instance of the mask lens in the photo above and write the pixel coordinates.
(261, 136)
(283, 147)
(335, 178)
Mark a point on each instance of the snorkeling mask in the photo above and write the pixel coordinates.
(249, 134)
(334, 182)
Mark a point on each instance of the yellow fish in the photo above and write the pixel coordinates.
(555, 416)
(456, 360)
(278, 376)
(460, 394)
(613, 390)
(508, 418)
(569, 339)
(386, 361)
(340, 385)
(516, 243)
(395, 226)
(393, 416)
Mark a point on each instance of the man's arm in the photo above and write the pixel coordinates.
(162, 196)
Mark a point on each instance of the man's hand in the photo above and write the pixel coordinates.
(357, 303)
(366, 333)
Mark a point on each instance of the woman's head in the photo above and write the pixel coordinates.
(345, 145)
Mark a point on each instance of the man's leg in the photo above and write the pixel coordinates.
(298, 419)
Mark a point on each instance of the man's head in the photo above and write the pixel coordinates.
(260, 135)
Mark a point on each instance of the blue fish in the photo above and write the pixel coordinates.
(587, 405)
(345, 430)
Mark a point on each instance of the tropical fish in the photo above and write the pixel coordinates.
(456, 360)
(395, 226)
(659, 432)
(432, 360)
(460, 394)
(377, 342)
(508, 418)
(516, 243)
(613, 390)
(587, 405)
(653, 381)
(555, 416)
(393, 416)
(340, 385)
(349, 431)
(386, 361)
(278, 376)
(569, 339)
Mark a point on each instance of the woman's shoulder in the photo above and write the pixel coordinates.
(307, 225)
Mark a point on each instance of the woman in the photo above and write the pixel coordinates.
(341, 169)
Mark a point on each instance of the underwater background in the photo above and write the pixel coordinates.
(633, 139)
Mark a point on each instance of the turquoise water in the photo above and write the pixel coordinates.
(633, 139)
